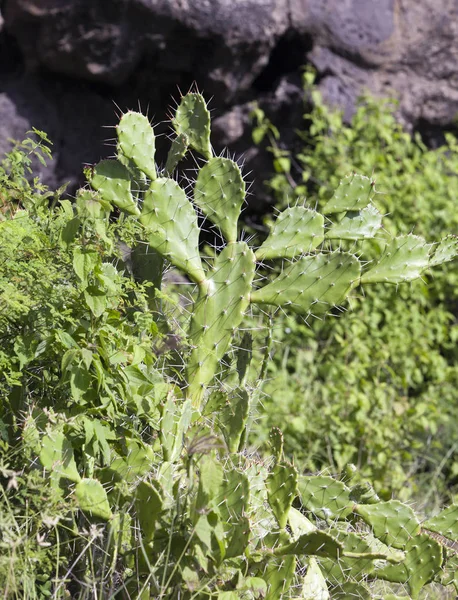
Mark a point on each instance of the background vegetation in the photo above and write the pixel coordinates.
(377, 385)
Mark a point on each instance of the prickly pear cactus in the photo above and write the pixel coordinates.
(308, 277)
(191, 511)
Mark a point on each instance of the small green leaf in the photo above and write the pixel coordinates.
(96, 299)
(69, 232)
(84, 262)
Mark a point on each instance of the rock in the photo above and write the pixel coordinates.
(65, 64)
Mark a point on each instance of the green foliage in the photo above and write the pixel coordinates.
(375, 387)
(152, 488)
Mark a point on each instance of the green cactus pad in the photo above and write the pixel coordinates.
(354, 193)
(92, 499)
(403, 259)
(234, 496)
(299, 523)
(350, 590)
(231, 414)
(314, 585)
(137, 142)
(219, 310)
(57, 456)
(238, 536)
(356, 225)
(313, 284)
(276, 443)
(220, 192)
(176, 153)
(315, 543)
(445, 523)
(325, 497)
(281, 490)
(192, 118)
(244, 352)
(278, 575)
(422, 563)
(296, 231)
(172, 221)
(445, 251)
(392, 522)
(364, 493)
(148, 503)
(112, 180)
(346, 568)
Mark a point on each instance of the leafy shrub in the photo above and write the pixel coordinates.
(151, 488)
(381, 379)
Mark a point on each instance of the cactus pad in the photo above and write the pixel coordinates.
(92, 499)
(172, 221)
(112, 180)
(356, 225)
(403, 259)
(446, 250)
(281, 490)
(354, 193)
(445, 523)
(392, 522)
(137, 142)
(422, 562)
(325, 497)
(313, 284)
(296, 231)
(234, 496)
(346, 568)
(220, 192)
(192, 118)
(315, 543)
(218, 311)
(176, 153)
(232, 416)
(278, 575)
(314, 584)
(276, 443)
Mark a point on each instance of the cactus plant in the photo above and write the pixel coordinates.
(316, 281)
(192, 511)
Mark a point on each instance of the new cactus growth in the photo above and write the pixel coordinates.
(356, 225)
(220, 193)
(296, 231)
(177, 152)
(354, 193)
(112, 179)
(137, 142)
(192, 119)
(281, 490)
(315, 282)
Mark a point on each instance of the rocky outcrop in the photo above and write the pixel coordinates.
(66, 65)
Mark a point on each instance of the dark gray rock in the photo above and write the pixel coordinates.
(66, 64)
